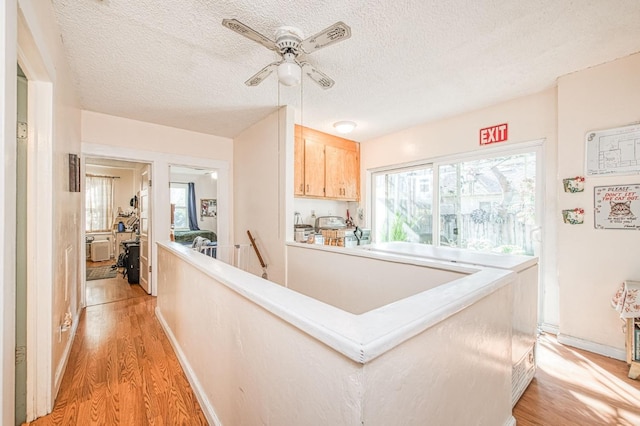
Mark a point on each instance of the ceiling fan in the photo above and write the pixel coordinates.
(291, 46)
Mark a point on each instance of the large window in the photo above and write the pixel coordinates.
(489, 204)
(98, 203)
(403, 205)
(179, 201)
(485, 203)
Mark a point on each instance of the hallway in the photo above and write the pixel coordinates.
(123, 371)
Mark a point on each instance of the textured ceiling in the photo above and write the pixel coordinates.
(407, 62)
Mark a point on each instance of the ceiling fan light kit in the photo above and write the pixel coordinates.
(289, 72)
(344, 127)
(290, 45)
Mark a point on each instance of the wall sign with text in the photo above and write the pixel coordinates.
(617, 207)
(493, 134)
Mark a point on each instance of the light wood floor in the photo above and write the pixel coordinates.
(122, 370)
(110, 289)
(575, 387)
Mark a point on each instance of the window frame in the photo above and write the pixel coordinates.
(410, 168)
(535, 146)
(183, 186)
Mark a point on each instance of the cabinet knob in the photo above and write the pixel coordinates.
(307, 187)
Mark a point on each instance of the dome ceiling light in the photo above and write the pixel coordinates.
(344, 127)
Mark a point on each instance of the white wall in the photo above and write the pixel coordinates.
(456, 373)
(252, 367)
(530, 118)
(593, 263)
(256, 352)
(263, 190)
(104, 129)
(358, 284)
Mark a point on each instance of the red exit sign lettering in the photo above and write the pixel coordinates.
(493, 134)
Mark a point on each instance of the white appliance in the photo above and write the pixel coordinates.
(100, 250)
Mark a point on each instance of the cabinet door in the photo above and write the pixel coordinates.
(298, 166)
(352, 175)
(342, 173)
(335, 173)
(314, 169)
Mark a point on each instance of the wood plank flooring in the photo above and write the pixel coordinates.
(110, 289)
(122, 371)
(575, 387)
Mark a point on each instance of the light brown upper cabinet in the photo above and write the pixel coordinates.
(326, 166)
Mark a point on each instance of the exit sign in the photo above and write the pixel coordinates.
(494, 134)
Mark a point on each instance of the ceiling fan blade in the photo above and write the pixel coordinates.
(333, 34)
(319, 77)
(258, 77)
(250, 33)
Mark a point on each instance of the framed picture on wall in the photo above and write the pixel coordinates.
(208, 207)
(74, 173)
(617, 207)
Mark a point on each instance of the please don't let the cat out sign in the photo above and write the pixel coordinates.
(617, 207)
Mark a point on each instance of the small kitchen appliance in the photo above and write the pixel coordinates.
(335, 232)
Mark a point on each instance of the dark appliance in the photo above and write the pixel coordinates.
(132, 262)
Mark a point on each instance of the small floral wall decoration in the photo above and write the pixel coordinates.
(574, 184)
(573, 216)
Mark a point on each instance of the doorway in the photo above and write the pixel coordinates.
(117, 246)
(194, 204)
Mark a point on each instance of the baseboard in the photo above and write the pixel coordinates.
(511, 422)
(205, 405)
(549, 328)
(597, 348)
(62, 366)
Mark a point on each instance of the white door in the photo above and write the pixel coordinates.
(145, 228)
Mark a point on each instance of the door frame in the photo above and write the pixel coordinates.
(159, 209)
(41, 385)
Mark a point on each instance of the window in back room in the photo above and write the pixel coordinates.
(99, 203)
(179, 203)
